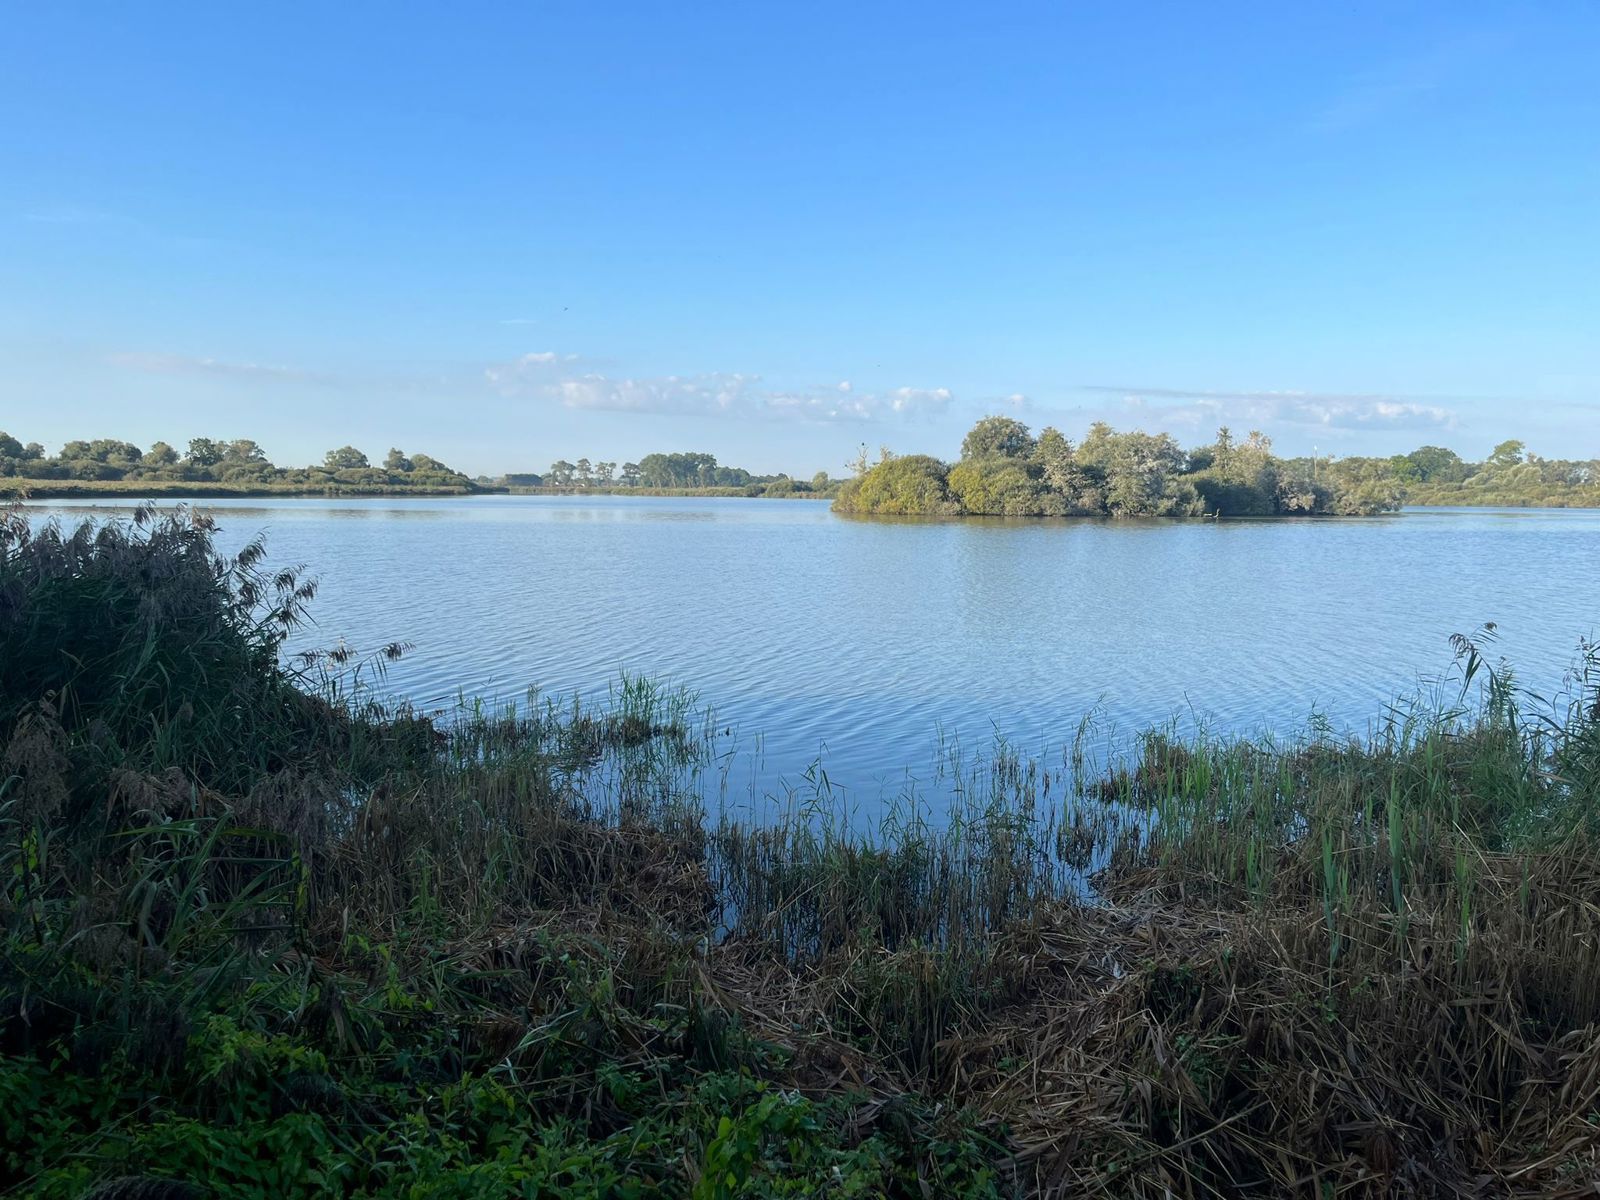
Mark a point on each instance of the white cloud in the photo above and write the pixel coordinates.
(701, 394)
(1331, 410)
(543, 376)
(841, 404)
(530, 363)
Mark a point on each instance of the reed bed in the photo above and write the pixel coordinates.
(263, 936)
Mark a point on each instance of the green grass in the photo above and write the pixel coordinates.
(259, 936)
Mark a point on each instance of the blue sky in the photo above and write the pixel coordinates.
(505, 234)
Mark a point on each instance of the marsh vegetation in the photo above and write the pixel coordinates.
(263, 935)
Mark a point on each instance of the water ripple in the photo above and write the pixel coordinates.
(856, 642)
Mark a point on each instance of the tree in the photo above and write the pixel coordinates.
(1237, 479)
(1437, 464)
(655, 471)
(820, 482)
(585, 471)
(1062, 474)
(561, 472)
(204, 452)
(998, 437)
(698, 469)
(116, 453)
(9, 446)
(687, 469)
(245, 452)
(1053, 455)
(1507, 454)
(630, 474)
(396, 462)
(1222, 450)
(345, 458)
(1142, 472)
(603, 472)
(160, 455)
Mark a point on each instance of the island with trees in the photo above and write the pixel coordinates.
(213, 467)
(1004, 470)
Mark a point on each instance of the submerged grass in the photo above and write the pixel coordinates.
(263, 937)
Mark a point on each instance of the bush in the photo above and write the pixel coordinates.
(996, 487)
(908, 485)
(139, 636)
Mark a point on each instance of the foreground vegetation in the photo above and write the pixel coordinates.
(1005, 471)
(108, 466)
(262, 937)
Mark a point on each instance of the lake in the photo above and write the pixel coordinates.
(859, 644)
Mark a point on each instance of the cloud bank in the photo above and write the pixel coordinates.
(1327, 409)
(550, 376)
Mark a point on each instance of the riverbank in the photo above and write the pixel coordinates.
(168, 490)
(65, 489)
(261, 937)
(161, 489)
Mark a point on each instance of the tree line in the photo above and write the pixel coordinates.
(677, 471)
(1512, 475)
(1004, 470)
(239, 461)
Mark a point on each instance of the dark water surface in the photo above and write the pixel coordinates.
(856, 642)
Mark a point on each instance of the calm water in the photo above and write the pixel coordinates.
(857, 642)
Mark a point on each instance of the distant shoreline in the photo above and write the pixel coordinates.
(747, 492)
(84, 489)
(81, 489)
(154, 489)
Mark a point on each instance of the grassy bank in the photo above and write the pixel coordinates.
(261, 937)
(149, 489)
